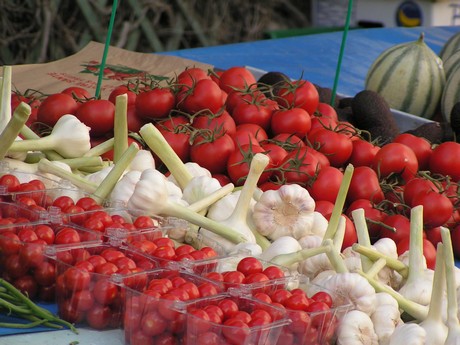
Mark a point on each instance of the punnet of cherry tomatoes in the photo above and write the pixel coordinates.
(161, 278)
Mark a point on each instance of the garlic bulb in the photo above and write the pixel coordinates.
(408, 334)
(356, 328)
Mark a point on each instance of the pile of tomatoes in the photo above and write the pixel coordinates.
(220, 119)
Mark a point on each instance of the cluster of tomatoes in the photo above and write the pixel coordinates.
(154, 311)
(84, 290)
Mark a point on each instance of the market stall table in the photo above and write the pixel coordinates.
(313, 57)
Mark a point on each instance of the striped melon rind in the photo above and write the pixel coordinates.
(450, 47)
(451, 63)
(410, 76)
(451, 93)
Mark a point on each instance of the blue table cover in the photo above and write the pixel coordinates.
(314, 57)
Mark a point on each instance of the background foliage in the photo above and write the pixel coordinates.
(34, 31)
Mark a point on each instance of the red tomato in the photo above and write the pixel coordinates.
(78, 93)
(396, 158)
(299, 166)
(434, 235)
(416, 186)
(179, 140)
(401, 225)
(326, 184)
(429, 250)
(10, 182)
(420, 146)
(54, 107)
(437, 208)
(98, 317)
(326, 110)
(335, 145)
(155, 103)
(444, 160)
(288, 141)
(190, 76)
(259, 133)
(98, 114)
(363, 153)
(205, 94)
(293, 121)
(212, 153)
(276, 152)
(299, 93)
(258, 114)
(249, 265)
(238, 164)
(244, 136)
(365, 184)
(371, 213)
(247, 95)
(323, 296)
(121, 90)
(219, 123)
(67, 235)
(236, 78)
(323, 122)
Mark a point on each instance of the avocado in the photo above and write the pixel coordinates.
(372, 113)
(434, 132)
(270, 82)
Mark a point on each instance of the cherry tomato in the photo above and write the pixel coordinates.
(98, 317)
(249, 265)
